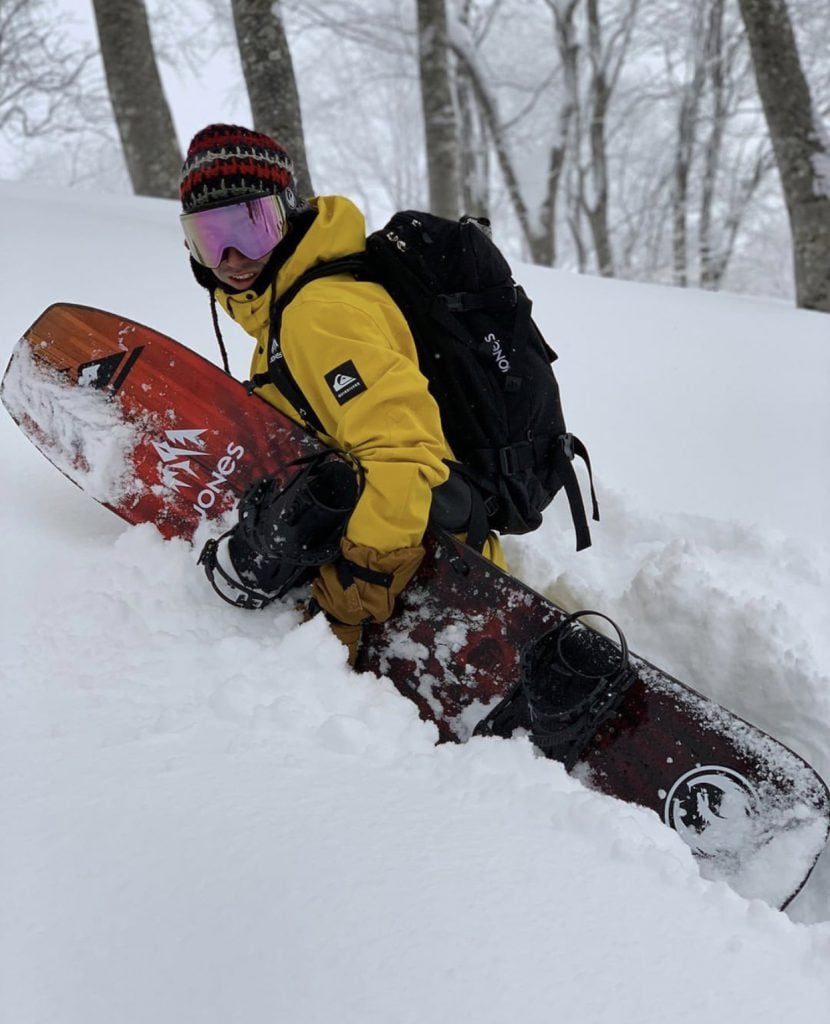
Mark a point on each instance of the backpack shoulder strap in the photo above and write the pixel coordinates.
(279, 373)
(355, 263)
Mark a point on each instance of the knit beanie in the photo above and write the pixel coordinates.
(226, 163)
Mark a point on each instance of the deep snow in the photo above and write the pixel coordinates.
(207, 817)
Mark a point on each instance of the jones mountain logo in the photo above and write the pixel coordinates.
(712, 809)
(345, 382)
(176, 454)
(177, 469)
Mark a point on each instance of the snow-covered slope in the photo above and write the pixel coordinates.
(204, 816)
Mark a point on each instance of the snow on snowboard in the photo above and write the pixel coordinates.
(158, 434)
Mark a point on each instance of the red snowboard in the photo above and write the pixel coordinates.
(158, 434)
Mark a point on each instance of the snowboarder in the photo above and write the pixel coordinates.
(349, 350)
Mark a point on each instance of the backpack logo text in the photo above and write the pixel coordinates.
(501, 359)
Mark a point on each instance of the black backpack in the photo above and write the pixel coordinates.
(486, 363)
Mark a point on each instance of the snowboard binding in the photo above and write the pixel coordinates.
(571, 680)
(283, 534)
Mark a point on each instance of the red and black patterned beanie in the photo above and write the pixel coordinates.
(226, 163)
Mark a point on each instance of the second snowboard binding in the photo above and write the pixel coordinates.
(571, 680)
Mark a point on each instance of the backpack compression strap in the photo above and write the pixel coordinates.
(505, 462)
(567, 446)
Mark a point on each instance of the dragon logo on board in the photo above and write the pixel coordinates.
(183, 454)
(712, 809)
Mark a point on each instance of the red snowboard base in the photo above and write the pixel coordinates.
(158, 434)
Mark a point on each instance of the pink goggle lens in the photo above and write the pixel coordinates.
(254, 227)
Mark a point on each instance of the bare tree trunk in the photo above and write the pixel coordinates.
(473, 149)
(801, 147)
(269, 77)
(537, 228)
(440, 120)
(684, 151)
(474, 157)
(145, 124)
(717, 262)
(711, 266)
(600, 89)
(587, 148)
(737, 198)
(489, 112)
(568, 47)
(580, 248)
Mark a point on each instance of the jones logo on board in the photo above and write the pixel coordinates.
(177, 469)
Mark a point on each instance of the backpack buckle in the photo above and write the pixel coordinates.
(566, 446)
(514, 459)
(456, 302)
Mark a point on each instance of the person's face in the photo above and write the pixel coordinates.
(236, 240)
(237, 271)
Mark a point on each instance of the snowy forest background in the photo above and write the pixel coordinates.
(639, 139)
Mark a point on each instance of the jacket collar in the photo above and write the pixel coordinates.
(338, 230)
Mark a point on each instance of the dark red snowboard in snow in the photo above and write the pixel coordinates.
(158, 434)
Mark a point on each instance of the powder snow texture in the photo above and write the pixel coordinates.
(204, 816)
(83, 433)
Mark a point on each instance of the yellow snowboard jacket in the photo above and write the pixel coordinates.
(352, 355)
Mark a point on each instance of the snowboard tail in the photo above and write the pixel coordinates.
(158, 434)
(742, 801)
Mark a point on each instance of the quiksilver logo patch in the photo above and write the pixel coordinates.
(345, 382)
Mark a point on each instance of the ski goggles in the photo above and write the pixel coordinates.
(253, 226)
